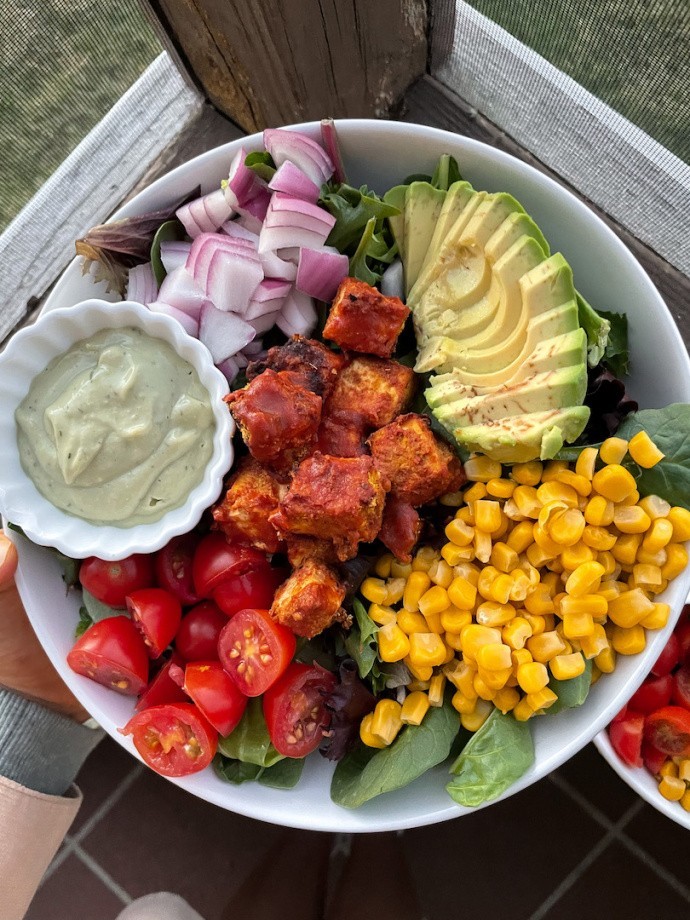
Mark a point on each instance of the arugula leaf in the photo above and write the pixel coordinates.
(84, 622)
(250, 742)
(360, 641)
(367, 772)
(170, 230)
(616, 355)
(571, 693)
(283, 775)
(353, 209)
(262, 163)
(493, 759)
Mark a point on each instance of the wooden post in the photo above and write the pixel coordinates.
(266, 63)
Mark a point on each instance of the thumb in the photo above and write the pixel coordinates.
(8, 561)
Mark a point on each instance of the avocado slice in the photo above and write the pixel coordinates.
(457, 197)
(423, 205)
(396, 197)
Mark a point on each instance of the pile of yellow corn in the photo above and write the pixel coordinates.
(674, 781)
(544, 567)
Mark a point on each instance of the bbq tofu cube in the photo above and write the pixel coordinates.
(310, 600)
(334, 498)
(278, 418)
(375, 388)
(362, 319)
(419, 466)
(242, 515)
(301, 549)
(315, 366)
(342, 434)
(400, 528)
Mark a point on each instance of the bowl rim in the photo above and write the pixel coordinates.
(26, 355)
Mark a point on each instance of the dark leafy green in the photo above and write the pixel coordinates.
(97, 610)
(170, 230)
(69, 566)
(446, 173)
(235, 771)
(571, 693)
(367, 772)
(360, 641)
(616, 355)
(250, 742)
(347, 705)
(492, 760)
(262, 163)
(85, 621)
(284, 774)
(352, 208)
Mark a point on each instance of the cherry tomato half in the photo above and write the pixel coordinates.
(654, 693)
(253, 589)
(162, 689)
(255, 650)
(198, 633)
(681, 687)
(682, 633)
(112, 653)
(626, 738)
(174, 739)
(215, 693)
(653, 759)
(668, 729)
(156, 614)
(173, 565)
(294, 708)
(111, 582)
(669, 658)
(216, 560)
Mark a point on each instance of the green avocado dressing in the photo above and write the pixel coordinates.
(117, 430)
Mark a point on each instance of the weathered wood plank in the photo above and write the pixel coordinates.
(274, 62)
(429, 102)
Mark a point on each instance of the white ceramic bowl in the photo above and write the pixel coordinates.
(26, 355)
(381, 154)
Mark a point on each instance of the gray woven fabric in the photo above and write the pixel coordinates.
(39, 748)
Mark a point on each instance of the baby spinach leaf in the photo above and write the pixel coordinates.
(366, 772)
(235, 771)
(493, 759)
(360, 641)
(352, 208)
(170, 230)
(616, 355)
(262, 163)
(97, 610)
(84, 622)
(283, 775)
(250, 742)
(571, 693)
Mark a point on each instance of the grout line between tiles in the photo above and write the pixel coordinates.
(572, 877)
(72, 840)
(655, 866)
(100, 873)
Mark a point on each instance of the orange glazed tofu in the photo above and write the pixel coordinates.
(420, 466)
(242, 515)
(342, 434)
(400, 528)
(315, 366)
(339, 499)
(278, 418)
(301, 549)
(376, 388)
(310, 600)
(363, 319)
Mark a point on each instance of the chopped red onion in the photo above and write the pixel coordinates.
(320, 271)
(223, 333)
(301, 150)
(392, 283)
(188, 323)
(181, 291)
(204, 248)
(217, 208)
(141, 284)
(253, 224)
(253, 348)
(257, 206)
(262, 324)
(232, 279)
(230, 368)
(174, 254)
(276, 267)
(235, 229)
(243, 183)
(298, 316)
(293, 222)
(329, 136)
(290, 180)
(204, 215)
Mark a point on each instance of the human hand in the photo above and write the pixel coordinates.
(24, 666)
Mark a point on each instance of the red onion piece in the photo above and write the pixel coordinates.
(204, 215)
(181, 291)
(230, 368)
(253, 348)
(329, 136)
(301, 150)
(223, 333)
(141, 284)
(244, 185)
(290, 180)
(298, 316)
(240, 359)
(253, 224)
(272, 289)
(320, 271)
(266, 321)
(232, 279)
(292, 222)
(235, 229)
(392, 283)
(257, 206)
(174, 254)
(205, 246)
(276, 267)
(217, 208)
(188, 323)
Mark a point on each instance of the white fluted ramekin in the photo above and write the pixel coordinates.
(26, 355)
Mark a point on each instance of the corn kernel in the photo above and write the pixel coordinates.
(536, 622)
(586, 462)
(592, 645)
(381, 615)
(581, 484)
(462, 594)
(554, 491)
(394, 590)
(440, 573)
(576, 625)
(393, 643)
(527, 501)
(567, 527)
(631, 519)
(596, 674)
(532, 677)
(658, 618)
(542, 699)
(482, 545)
(486, 580)
(685, 801)
(426, 649)
(613, 450)
(544, 541)
(453, 619)
(614, 482)
(414, 708)
(672, 788)
(598, 538)
(537, 556)
(552, 469)
(565, 667)
(516, 633)
(482, 688)
(644, 451)
(495, 680)
(459, 533)
(647, 576)
(684, 769)
(551, 583)
(646, 558)
(520, 537)
(487, 515)
(482, 469)
(465, 680)
(468, 571)
(680, 519)
(629, 608)
(424, 558)
(417, 585)
(415, 685)
(503, 557)
(658, 536)
(539, 601)
(450, 651)
(506, 699)
(400, 569)
(573, 556)
(594, 604)
(453, 670)
(630, 641)
(422, 672)
(520, 586)
(411, 622)
(500, 488)
(500, 588)
(433, 622)
(599, 511)
(365, 733)
(676, 561)
(606, 660)
(386, 721)
(668, 768)
(631, 499)
(494, 657)
(545, 646)
(626, 547)
(434, 601)
(522, 711)
(452, 499)
(462, 704)
(527, 474)
(520, 656)
(453, 554)
(374, 590)
(436, 688)
(585, 579)
(654, 506)
(474, 636)
(466, 515)
(383, 565)
(474, 720)
(611, 567)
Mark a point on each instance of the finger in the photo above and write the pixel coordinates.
(8, 561)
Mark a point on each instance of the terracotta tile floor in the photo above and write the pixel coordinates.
(579, 843)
